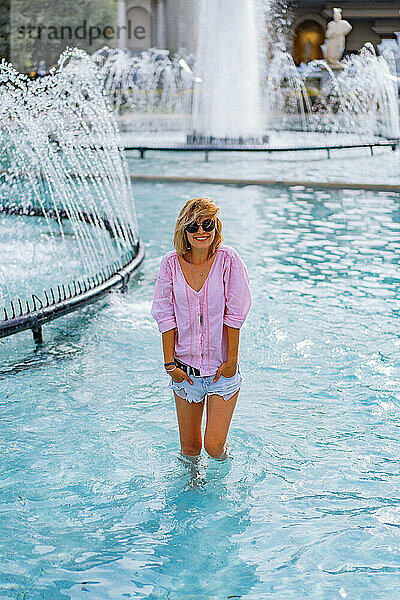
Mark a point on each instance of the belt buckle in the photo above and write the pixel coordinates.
(183, 366)
(189, 370)
(194, 374)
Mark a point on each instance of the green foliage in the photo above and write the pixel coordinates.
(42, 29)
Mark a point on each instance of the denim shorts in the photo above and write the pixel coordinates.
(202, 386)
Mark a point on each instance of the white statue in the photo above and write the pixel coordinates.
(335, 34)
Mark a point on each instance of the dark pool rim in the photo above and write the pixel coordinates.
(275, 183)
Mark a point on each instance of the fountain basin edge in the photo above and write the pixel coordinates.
(65, 305)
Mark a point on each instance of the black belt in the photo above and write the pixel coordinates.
(187, 368)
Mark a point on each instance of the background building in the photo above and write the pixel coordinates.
(171, 24)
(157, 23)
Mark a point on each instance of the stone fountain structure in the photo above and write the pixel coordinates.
(60, 161)
(230, 94)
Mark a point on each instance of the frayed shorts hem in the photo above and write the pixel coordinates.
(225, 397)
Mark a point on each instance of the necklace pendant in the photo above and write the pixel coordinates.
(201, 319)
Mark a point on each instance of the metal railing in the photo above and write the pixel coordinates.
(142, 149)
(65, 298)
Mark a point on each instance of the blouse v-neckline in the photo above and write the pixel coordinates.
(209, 273)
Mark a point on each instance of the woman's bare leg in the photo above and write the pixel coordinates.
(219, 416)
(190, 416)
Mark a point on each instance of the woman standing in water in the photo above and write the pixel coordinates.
(201, 300)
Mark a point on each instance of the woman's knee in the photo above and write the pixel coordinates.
(191, 448)
(214, 449)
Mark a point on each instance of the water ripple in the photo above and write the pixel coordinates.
(94, 496)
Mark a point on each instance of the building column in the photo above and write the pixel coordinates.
(122, 25)
(161, 25)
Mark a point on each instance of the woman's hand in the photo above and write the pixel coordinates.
(178, 376)
(227, 369)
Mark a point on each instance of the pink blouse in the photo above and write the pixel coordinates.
(201, 340)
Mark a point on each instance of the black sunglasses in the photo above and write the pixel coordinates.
(207, 225)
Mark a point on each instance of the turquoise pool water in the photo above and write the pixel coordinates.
(95, 502)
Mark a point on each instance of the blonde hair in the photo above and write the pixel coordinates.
(197, 209)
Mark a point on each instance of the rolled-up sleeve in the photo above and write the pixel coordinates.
(237, 292)
(163, 306)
